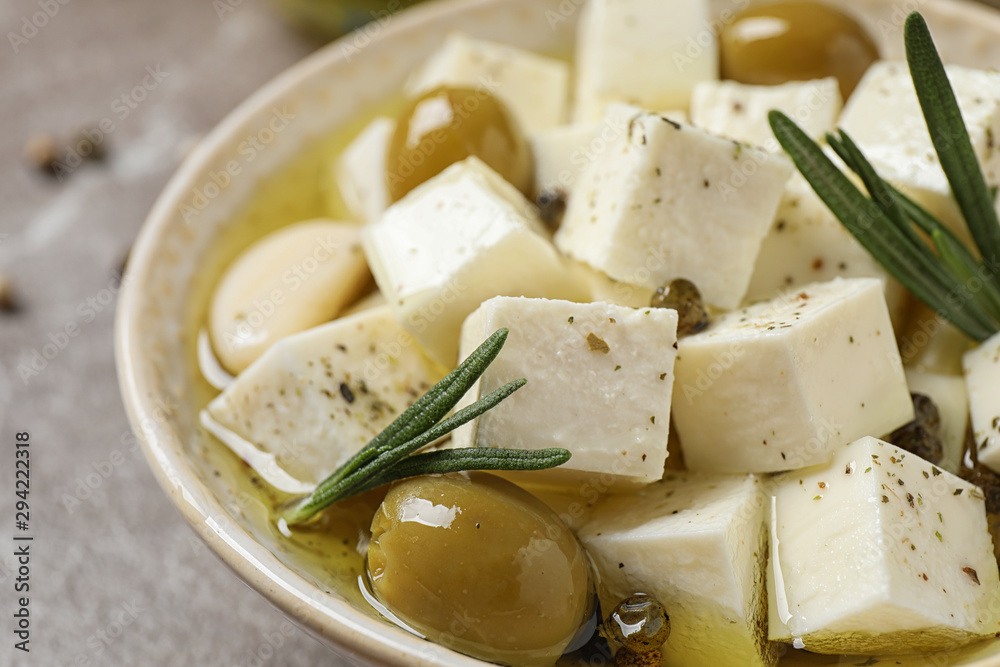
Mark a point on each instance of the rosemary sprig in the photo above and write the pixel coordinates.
(951, 139)
(389, 456)
(943, 273)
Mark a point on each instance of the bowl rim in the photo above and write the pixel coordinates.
(323, 615)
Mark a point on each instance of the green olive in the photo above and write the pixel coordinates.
(481, 566)
(447, 125)
(798, 40)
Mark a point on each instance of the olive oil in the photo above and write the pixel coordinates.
(330, 552)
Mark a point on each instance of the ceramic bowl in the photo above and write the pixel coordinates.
(323, 92)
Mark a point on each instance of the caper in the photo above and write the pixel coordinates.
(683, 296)
(917, 439)
(639, 623)
(480, 565)
(922, 436)
(551, 205)
(983, 477)
(776, 42)
(448, 124)
(927, 414)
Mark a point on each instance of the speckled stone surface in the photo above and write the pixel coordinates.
(117, 576)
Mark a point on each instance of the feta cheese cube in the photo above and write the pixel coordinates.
(360, 170)
(952, 401)
(739, 111)
(561, 154)
(668, 201)
(982, 379)
(698, 544)
(808, 244)
(599, 380)
(880, 552)
(462, 237)
(534, 88)
(883, 117)
(315, 398)
(645, 52)
(781, 384)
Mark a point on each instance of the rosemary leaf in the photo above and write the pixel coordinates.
(472, 458)
(340, 485)
(968, 271)
(930, 224)
(391, 457)
(919, 272)
(880, 192)
(961, 270)
(951, 140)
(425, 411)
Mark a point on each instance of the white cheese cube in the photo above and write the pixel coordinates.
(668, 201)
(782, 384)
(698, 544)
(880, 552)
(533, 87)
(952, 401)
(561, 154)
(464, 236)
(982, 379)
(360, 170)
(645, 52)
(808, 244)
(619, 114)
(883, 117)
(739, 111)
(599, 381)
(314, 399)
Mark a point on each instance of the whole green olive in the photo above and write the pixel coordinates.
(481, 566)
(447, 125)
(795, 40)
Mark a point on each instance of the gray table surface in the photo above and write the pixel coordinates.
(117, 577)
